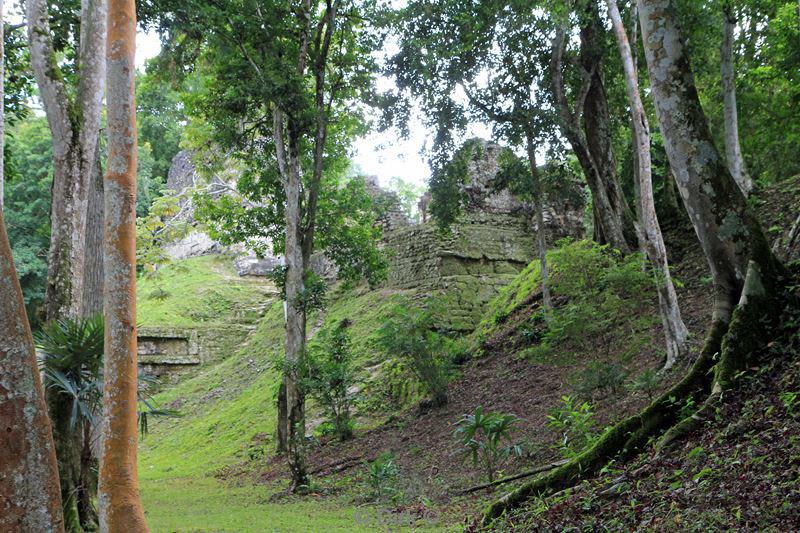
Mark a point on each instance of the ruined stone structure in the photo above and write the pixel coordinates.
(170, 353)
(491, 243)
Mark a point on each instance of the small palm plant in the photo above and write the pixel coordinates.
(71, 360)
(482, 435)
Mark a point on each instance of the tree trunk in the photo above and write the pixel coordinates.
(118, 495)
(541, 241)
(733, 150)
(74, 124)
(29, 485)
(597, 125)
(728, 233)
(675, 330)
(93, 265)
(283, 420)
(612, 219)
(2, 99)
(289, 165)
(87, 486)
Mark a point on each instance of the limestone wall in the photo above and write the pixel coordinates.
(169, 354)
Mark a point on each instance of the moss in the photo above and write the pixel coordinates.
(200, 292)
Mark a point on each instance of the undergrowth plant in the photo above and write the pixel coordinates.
(408, 334)
(329, 377)
(482, 435)
(382, 478)
(574, 422)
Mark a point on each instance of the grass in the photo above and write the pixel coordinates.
(199, 291)
(206, 505)
(229, 407)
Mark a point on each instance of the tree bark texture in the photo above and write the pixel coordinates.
(120, 509)
(2, 99)
(74, 124)
(93, 263)
(729, 234)
(587, 130)
(675, 331)
(541, 241)
(30, 496)
(733, 150)
(289, 163)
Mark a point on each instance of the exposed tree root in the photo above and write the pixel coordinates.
(726, 350)
(515, 477)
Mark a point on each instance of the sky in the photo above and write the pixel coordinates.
(380, 154)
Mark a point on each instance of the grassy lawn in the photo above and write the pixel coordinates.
(205, 505)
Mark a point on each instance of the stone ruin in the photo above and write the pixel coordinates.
(493, 240)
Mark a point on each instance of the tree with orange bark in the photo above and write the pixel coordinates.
(120, 508)
(30, 496)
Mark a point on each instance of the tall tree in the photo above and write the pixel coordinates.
(733, 150)
(281, 87)
(74, 118)
(748, 279)
(652, 240)
(29, 487)
(120, 507)
(586, 124)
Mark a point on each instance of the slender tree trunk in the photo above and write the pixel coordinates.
(2, 101)
(733, 150)
(118, 495)
(541, 241)
(637, 194)
(74, 123)
(283, 419)
(675, 331)
(728, 233)
(93, 265)
(590, 142)
(597, 124)
(289, 165)
(30, 495)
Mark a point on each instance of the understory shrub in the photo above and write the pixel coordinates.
(409, 334)
(327, 377)
(574, 422)
(482, 435)
(382, 478)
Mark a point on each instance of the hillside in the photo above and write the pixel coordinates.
(216, 462)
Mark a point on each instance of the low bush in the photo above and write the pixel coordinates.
(409, 335)
(482, 435)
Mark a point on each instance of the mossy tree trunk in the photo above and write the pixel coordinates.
(675, 330)
(734, 246)
(585, 125)
(73, 116)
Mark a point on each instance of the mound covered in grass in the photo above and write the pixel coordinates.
(201, 292)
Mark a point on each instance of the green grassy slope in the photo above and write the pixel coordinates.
(229, 409)
(200, 291)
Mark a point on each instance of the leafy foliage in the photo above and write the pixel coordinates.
(71, 361)
(408, 334)
(482, 435)
(329, 377)
(575, 423)
(382, 477)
